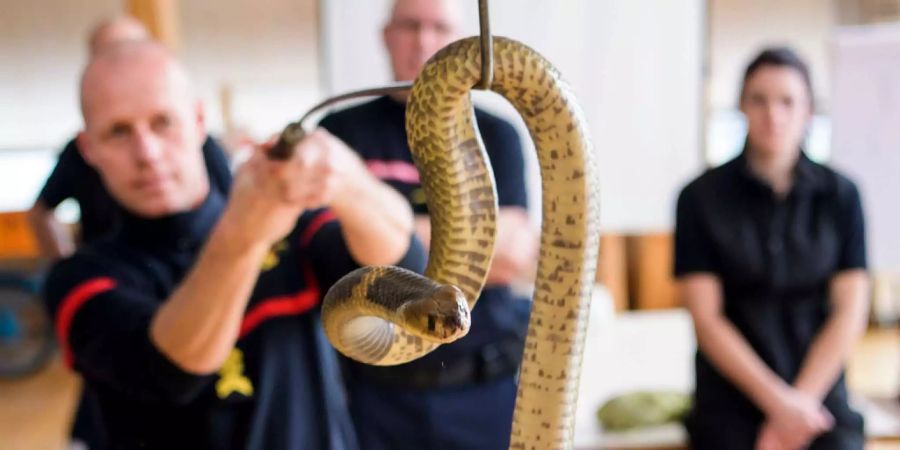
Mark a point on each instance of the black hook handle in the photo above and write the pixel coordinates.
(290, 137)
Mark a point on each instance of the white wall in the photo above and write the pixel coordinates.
(866, 115)
(634, 65)
(41, 54)
(266, 51)
(738, 30)
(42, 51)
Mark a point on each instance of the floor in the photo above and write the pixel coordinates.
(35, 412)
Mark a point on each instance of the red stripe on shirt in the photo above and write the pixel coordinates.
(314, 226)
(276, 307)
(311, 281)
(394, 171)
(71, 303)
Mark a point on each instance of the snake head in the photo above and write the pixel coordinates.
(441, 317)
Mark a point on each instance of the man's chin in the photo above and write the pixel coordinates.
(154, 213)
(154, 205)
(778, 149)
(772, 145)
(155, 208)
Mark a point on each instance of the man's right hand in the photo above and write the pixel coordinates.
(798, 418)
(268, 195)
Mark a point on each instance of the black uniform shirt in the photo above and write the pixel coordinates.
(280, 387)
(774, 258)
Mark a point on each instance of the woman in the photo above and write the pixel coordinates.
(770, 259)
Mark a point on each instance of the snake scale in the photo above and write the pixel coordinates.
(386, 315)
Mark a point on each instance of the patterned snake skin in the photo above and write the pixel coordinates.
(385, 315)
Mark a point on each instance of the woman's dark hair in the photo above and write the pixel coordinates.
(778, 57)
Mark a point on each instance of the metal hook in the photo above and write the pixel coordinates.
(487, 47)
(296, 131)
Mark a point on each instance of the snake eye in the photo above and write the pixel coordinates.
(431, 322)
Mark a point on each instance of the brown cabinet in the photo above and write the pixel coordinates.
(637, 270)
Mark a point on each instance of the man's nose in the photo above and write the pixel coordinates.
(774, 114)
(148, 146)
(426, 38)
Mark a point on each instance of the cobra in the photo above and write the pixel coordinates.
(386, 315)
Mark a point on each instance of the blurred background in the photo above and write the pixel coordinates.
(657, 80)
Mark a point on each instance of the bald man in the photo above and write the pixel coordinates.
(461, 396)
(116, 30)
(195, 322)
(75, 179)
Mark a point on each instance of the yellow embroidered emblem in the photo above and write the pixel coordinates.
(271, 260)
(417, 196)
(232, 378)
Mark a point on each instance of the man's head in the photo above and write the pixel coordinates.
(116, 30)
(416, 30)
(777, 100)
(143, 129)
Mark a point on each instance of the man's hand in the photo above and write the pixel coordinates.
(797, 419)
(268, 196)
(516, 248)
(335, 167)
(54, 240)
(768, 439)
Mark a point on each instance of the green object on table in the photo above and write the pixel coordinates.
(642, 409)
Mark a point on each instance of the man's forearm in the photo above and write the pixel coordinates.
(733, 356)
(422, 224)
(515, 249)
(825, 360)
(198, 325)
(53, 240)
(376, 221)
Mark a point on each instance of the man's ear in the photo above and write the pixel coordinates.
(200, 117)
(84, 146)
(385, 38)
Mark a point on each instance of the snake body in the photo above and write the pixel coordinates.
(385, 315)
